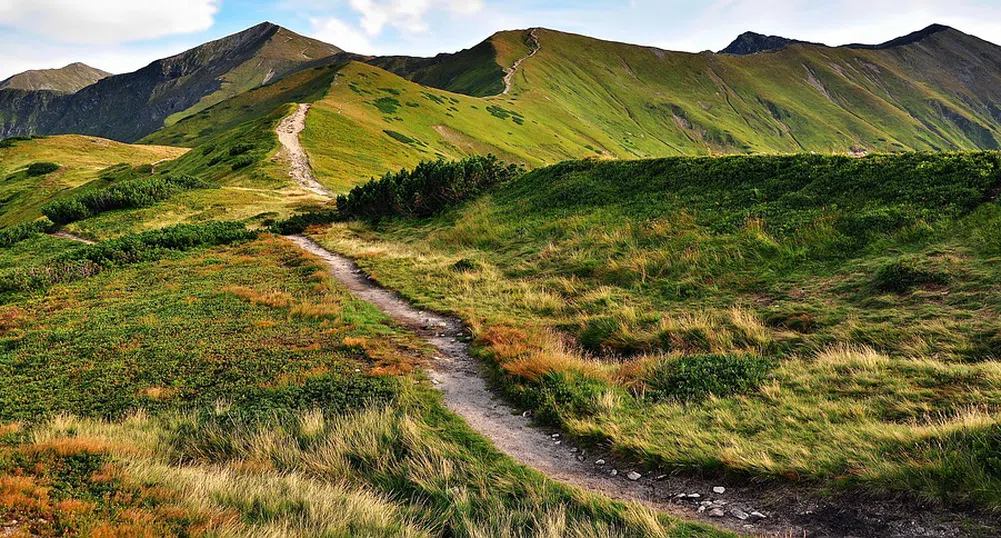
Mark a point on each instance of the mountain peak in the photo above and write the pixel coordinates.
(753, 43)
(909, 39)
(70, 79)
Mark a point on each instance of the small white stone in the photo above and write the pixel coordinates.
(599, 462)
(614, 472)
(558, 443)
(719, 490)
(758, 515)
(634, 476)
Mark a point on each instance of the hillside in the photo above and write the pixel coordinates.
(806, 319)
(130, 106)
(578, 97)
(69, 79)
(80, 160)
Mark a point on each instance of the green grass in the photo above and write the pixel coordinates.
(235, 390)
(80, 160)
(825, 318)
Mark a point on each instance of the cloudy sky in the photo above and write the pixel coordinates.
(124, 35)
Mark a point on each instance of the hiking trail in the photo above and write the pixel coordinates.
(299, 168)
(776, 509)
(509, 77)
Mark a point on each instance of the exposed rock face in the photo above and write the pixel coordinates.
(754, 43)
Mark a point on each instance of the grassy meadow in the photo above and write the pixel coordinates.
(235, 391)
(822, 319)
(80, 160)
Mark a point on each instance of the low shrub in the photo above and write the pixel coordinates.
(562, 395)
(41, 169)
(125, 195)
(240, 149)
(903, 276)
(12, 235)
(10, 142)
(427, 190)
(146, 246)
(243, 162)
(298, 224)
(696, 377)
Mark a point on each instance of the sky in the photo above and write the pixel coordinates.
(125, 35)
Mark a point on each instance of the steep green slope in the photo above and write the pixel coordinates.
(131, 106)
(827, 319)
(473, 71)
(69, 79)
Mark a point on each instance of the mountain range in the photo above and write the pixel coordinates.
(571, 96)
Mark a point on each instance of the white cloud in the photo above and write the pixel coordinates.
(408, 15)
(108, 21)
(335, 31)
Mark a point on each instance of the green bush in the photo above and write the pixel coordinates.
(902, 276)
(41, 169)
(428, 189)
(696, 377)
(240, 149)
(147, 246)
(12, 235)
(297, 224)
(559, 396)
(10, 142)
(129, 194)
(243, 161)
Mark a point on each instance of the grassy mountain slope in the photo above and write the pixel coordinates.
(822, 318)
(474, 71)
(581, 97)
(81, 160)
(69, 79)
(129, 107)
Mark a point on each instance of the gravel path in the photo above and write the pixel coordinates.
(299, 169)
(71, 237)
(509, 77)
(779, 510)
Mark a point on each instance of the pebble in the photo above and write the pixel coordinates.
(661, 477)
(614, 472)
(717, 512)
(558, 443)
(634, 476)
(758, 515)
(526, 414)
(719, 490)
(694, 495)
(555, 436)
(573, 450)
(739, 514)
(599, 462)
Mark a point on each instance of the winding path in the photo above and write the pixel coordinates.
(764, 510)
(299, 168)
(509, 77)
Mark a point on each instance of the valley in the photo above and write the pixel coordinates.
(545, 286)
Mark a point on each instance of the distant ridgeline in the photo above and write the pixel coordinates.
(937, 89)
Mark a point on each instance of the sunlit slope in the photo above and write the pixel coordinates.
(372, 121)
(580, 97)
(81, 160)
(933, 94)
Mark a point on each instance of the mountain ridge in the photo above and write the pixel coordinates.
(69, 79)
(129, 106)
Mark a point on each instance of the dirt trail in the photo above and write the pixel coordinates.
(509, 77)
(299, 168)
(754, 509)
(779, 510)
(71, 237)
